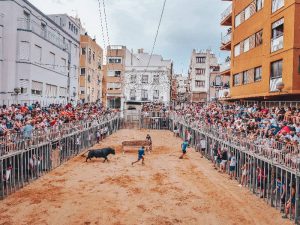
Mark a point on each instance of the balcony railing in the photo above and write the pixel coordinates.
(227, 12)
(225, 66)
(224, 93)
(226, 38)
(45, 32)
(277, 44)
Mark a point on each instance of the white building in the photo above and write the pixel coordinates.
(147, 81)
(182, 83)
(38, 57)
(202, 64)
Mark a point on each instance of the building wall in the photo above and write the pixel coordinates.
(262, 55)
(114, 83)
(91, 59)
(157, 90)
(201, 93)
(33, 51)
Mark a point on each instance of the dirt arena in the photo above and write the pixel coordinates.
(165, 191)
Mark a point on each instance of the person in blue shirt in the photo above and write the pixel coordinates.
(141, 153)
(184, 146)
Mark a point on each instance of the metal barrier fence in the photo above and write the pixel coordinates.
(25, 164)
(156, 123)
(265, 177)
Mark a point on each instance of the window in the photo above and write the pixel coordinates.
(113, 73)
(200, 71)
(63, 65)
(90, 56)
(246, 45)
(248, 12)
(237, 20)
(258, 38)
(277, 4)
(51, 91)
(245, 77)
(277, 35)
(259, 4)
(52, 59)
(144, 95)
(133, 78)
(257, 73)
(114, 60)
(82, 71)
(156, 79)
(278, 28)
(237, 50)
(200, 83)
(276, 69)
(83, 51)
(200, 59)
(62, 92)
(37, 54)
(117, 73)
(236, 79)
(145, 79)
(36, 88)
(132, 94)
(156, 95)
(24, 50)
(218, 81)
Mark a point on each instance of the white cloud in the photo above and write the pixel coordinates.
(187, 24)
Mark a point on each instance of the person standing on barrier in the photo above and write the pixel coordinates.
(203, 147)
(224, 158)
(141, 153)
(232, 165)
(98, 136)
(280, 187)
(184, 146)
(290, 205)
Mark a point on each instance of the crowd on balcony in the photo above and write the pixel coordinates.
(25, 119)
(272, 132)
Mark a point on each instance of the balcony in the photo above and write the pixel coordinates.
(226, 41)
(277, 44)
(273, 84)
(46, 33)
(223, 93)
(226, 16)
(225, 68)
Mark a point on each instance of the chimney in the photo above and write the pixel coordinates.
(140, 51)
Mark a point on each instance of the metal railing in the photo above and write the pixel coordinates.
(263, 177)
(226, 12)
(21, 166)
(226, 38)
(45, 32)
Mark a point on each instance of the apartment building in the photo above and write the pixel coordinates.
(36, 62)
(114, 75)
(147, 79)
(90, 75)
(202, 64)
(181, 87)
(264, 44)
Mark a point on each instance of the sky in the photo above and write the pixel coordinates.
(186, 25)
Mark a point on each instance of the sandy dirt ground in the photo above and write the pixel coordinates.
(165, 191)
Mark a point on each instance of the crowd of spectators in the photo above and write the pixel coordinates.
(24, 120)
(273, 132)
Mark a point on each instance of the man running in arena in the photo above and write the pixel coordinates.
(141, 153)
(184, 146)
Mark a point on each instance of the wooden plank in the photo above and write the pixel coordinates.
(136, 143)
